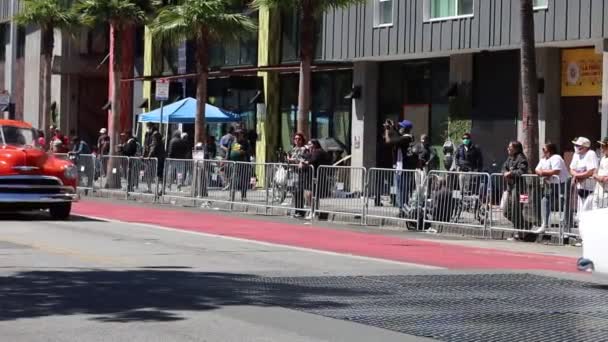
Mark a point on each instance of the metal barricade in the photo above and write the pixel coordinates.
(341, 191)
(85, 163)
(178, 178)
(63, 156)
(395, 195)
(582, 196)
(143, 176)
(527, 204)
(113, 173)
(212, 180)
(456, 199)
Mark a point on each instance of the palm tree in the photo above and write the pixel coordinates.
(201, 21)
(119, 15)
(48, 15)
(529, 86)
(309, 11)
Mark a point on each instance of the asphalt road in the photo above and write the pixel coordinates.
(88, 280)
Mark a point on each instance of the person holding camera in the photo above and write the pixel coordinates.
(404, 158)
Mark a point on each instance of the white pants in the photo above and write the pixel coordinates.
(600, 196)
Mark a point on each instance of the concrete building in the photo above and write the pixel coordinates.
(79, 82)
(452, 66)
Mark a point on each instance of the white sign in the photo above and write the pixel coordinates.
(162, 90)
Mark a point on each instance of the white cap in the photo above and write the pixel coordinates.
(184, 135)
(582, 141)
(103, 131)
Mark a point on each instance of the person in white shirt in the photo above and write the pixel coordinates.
(582, 168)
(552, 168)
(600, 195)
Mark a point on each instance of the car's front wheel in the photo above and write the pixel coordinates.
(61, 211)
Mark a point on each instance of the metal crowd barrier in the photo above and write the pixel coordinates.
(142, 176)
(85, 163)
(113, 173)
(456, 199)
(178, 178)
(394, 195)
(472, 200)
(212, 180)
(525, 203)
(341, 191)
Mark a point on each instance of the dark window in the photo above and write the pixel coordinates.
(20, 42)
(290, 37)
(3, 40)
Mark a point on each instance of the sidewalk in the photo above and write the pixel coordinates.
(406, 247)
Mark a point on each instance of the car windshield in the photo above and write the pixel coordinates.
(11, 135)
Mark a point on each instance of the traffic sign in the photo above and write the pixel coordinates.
(162, 90)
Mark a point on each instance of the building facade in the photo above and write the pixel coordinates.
(452, 66)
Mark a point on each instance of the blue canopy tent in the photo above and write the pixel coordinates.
(184, 112)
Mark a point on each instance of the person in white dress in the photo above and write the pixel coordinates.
(552, 168)
(600, 194)
(582, 168)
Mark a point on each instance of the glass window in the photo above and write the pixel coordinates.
(449, 8)
(540, 3)
(383, 12)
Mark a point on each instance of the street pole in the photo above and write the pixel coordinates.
(162, 105)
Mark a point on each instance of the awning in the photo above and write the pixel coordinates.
(184, 111)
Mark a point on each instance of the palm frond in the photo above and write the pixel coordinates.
(92, 12)
(47, 13)
(192, 17)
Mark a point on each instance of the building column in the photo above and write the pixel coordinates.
(32, 110)
(268, 113)
(549, 97)
(365, 115)
(11, 59)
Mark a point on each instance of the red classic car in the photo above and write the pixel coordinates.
(30, 179)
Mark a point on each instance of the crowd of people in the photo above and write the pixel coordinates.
(586, 178)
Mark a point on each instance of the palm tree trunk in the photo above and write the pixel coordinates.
(114, 180)
(114, 126)
(307, 23)
(202, 70)
(48, 43)
(529, 87)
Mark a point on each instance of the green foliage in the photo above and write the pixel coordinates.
(190, 19)
(47, 14)
(116, 12)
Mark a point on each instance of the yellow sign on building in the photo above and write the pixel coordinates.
(581, 72)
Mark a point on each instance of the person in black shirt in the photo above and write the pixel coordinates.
(404, 158)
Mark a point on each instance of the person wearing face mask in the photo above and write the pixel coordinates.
(582, 168)
(600, 196)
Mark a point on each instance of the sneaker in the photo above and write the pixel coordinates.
(540, 230)
(308, 216)
(297, 215)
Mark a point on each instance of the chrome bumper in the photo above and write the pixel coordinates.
(31, 198)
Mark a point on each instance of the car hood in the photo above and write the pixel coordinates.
(22, 160)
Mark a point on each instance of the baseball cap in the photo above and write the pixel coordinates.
(103, 131)
(582, 141)
(406, 124)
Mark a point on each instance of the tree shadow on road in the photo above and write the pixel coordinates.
(155, 295)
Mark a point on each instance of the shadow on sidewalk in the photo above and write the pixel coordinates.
(152, 295)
